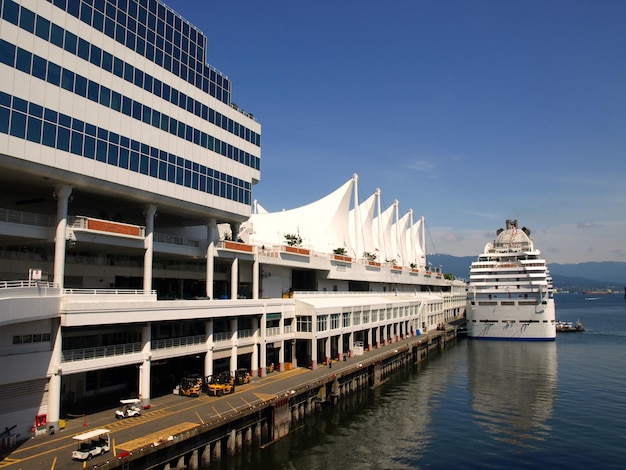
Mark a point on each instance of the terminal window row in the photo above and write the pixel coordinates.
(67, 40)
(152, 30)
(75, 83)
(32, 338)
(44, 126)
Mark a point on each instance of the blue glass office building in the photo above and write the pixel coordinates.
(121, 88)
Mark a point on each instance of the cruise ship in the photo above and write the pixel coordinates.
(509, 294)
(132, 252)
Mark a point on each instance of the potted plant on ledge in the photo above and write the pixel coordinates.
(294, 245)
(370, 259)
(340, 254)
(393, 264)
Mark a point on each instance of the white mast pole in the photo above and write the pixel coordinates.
(358, 229)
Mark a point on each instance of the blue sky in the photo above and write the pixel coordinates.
(468, 112)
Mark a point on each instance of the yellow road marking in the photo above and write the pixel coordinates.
(265, 396)
(199, 417)
(7, 461)
(158, 436)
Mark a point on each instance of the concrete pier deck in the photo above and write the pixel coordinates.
(173, 414)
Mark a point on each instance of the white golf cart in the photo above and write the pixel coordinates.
(131, 407)
(92, 443)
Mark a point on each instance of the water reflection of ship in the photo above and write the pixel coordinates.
(512, 387)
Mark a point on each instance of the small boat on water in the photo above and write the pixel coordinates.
(568, 326)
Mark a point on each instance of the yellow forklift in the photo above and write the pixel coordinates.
(221, 384)
(189, 387)
(242, 376)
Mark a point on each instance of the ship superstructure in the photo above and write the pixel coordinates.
(510, 292)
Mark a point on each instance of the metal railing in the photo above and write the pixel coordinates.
(26, 218)
(100, 352)
(106, 292)
(222, 336)
(23, 284)
(178, 342)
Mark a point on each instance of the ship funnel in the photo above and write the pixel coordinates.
(511, 223)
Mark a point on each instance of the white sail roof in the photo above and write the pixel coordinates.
(334, 222)
(323, 224)
(363, 236)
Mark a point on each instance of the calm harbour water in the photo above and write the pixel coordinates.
(483, 404)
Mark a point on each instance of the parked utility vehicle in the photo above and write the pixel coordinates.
(242, 376)
(92, 444)
(190, 387)
(131, 407)
(221, 384)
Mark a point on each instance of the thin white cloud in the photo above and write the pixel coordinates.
(421, 166)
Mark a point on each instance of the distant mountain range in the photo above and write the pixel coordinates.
(572, 277)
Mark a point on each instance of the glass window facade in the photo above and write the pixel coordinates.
(44, 126)
(103, 59)
(156, 32)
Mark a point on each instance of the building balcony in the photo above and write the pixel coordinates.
(342, 258)
(235, 246)
(296, 250)
(100, 352)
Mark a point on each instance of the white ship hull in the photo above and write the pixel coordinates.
(520, 323)
(509, 295)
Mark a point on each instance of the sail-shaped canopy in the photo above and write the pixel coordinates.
(322, 225)
(333, 222)
(364, 236)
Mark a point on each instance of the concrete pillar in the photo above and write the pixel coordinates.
(340, 347)
(150, 214)
(205, 458)
(256, 434)
(144, 368)
(313, 343)
(230, 443)
(54, 384)
(263, 345)
(255, 274)
(265, 432)
(368, 338)
(62, 194)
(247, 436)
(193, 460)
(208, 359)
(281, 355)
(217, 451)
(234, 231)
(238, 440)
(234, 279)
(327, 349)
(254, 367)
(212, 237)
(350, 343)
(233, 354)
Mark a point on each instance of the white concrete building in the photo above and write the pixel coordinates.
(124, 170)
